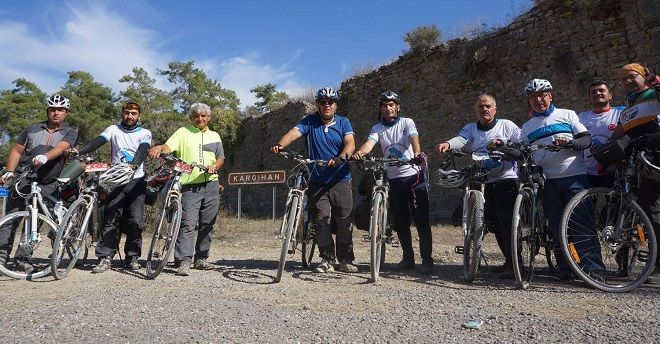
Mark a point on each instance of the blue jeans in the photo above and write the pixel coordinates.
(556, 194)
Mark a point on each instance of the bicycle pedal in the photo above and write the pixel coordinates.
(366, 238)
(459, 249)
(394, 242)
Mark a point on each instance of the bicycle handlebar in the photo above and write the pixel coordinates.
(299, 158)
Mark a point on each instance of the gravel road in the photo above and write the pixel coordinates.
(238, 301)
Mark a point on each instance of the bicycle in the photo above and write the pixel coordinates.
(530, 229)
(607, 224)
(29, 229)
(380, 233)
(80, 227)
(471, 179)
(166, 232)
(292, 219)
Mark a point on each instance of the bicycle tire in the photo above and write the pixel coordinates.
(523, 239)
(626, 261)
(71, 238)
(165, 236)
(41, 252)
(290, 220)
(308, 247)
(473, 237)
(376, 228)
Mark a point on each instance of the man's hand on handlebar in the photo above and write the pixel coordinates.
(442, 147)
(276, 148)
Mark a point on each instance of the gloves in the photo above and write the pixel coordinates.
(7, 176)
(41, 159)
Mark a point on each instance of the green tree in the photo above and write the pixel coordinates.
(19, 107)
(192, 86)
(157, 107)
(92, 105)
(271, 99)
(423, 38)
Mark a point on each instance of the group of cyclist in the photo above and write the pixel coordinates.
(330, 137)
(44, 145)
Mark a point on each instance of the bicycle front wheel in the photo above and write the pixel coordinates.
(609, 241)
(377, 222)
(308, 244)
(165, 235)
(32, 251)
(71, 237)
(473, 237)
(523, 239)
(288, 226)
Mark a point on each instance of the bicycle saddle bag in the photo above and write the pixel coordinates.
(611, 152)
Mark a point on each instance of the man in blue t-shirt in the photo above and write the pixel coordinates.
(330, 198)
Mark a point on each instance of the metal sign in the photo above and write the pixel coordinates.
(261, 177)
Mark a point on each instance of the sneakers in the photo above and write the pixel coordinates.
(202, 264)
(325, 266)
(348, 267)
(104, 264)
(404, 264)
(427, 268)
(25, 266)
(134, 265)
(654, 278)
(184, 269)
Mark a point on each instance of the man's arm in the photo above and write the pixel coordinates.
(349, 146)
(14, 157)
(92, 145)
(155, 151)
(286, 140)
(417, 148)
(364, 149)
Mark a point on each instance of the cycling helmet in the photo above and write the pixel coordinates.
(57, 101)
(386, 96)
(450, 179)
(650, 165)
(117, 175)
(537, 85)
(327, 93)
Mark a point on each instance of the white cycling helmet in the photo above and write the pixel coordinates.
(117, 175)
(327, 93)
(57, 101)
(537, 85)
(650, 168)
(450, 179)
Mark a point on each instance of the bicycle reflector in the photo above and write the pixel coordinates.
(574, 253)
(640, 234)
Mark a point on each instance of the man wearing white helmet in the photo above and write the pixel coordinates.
(129, 145)
(502, 182)
(329, 137)
(409, 198)
(40, 145)
(565, 170)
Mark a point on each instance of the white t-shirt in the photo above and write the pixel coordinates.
(600, 126)
(124, 143)
(478, 140)
(394, 140)
(561, 123)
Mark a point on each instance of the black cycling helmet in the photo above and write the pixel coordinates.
(387, 96)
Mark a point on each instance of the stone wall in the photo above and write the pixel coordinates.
(570, 45)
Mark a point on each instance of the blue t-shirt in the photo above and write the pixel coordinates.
(326, 142)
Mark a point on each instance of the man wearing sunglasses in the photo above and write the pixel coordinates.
(329, 137)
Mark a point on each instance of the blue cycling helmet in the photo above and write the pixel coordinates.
(327, 93)
(388, 96)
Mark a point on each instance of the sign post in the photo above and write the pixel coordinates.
(4, 193)
(252, 178)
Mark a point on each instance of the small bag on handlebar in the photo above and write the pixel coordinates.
(361, 214)
(612, 152)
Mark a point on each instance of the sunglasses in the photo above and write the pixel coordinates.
(326, 102)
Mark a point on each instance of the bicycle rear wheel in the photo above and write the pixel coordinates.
(594, 251)
(524, 243)
(35, 250)
(165, 235)
(377, 222)
(473, 237)
(71, 237)
(289, 223)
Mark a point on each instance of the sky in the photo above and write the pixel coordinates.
(298, 45)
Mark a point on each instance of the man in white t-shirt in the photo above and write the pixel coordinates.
(565, 170)
(600, 122)
(502, 181)
(398, 138)
(130, 143)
